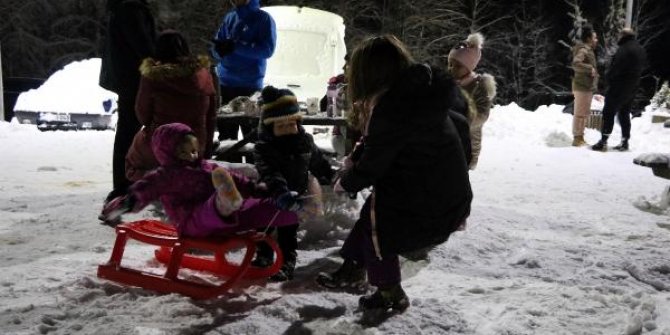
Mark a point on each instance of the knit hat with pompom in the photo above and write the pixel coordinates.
(468, 52)
(278, 104)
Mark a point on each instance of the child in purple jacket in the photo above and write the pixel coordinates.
(200, 198)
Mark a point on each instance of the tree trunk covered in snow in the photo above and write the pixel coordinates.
(523, 47)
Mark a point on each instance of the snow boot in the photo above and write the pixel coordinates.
(228, 198)
(578, 141)
(349, 275)
(601, 145)
(386, 299)
(623, 146)
(264, 255)
(286, 271)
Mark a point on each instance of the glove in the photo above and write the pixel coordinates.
(118, 206)
(260, 190)
(289, 201)
(223, 47)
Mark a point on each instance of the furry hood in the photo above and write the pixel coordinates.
(155, 70)
(186, 77)
(489, 85)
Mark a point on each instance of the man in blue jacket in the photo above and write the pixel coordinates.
(244, 42)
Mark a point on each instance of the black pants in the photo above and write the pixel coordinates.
(126, 128)
(287, 239)
(618, 102)
(228, 131)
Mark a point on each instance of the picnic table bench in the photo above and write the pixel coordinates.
(658, 162)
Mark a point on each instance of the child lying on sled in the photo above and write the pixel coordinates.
(200, 198)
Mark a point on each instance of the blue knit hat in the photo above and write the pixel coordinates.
(278, 104)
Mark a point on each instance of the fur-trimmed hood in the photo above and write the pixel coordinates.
(156, 70)
(187, 77)
(489, 85)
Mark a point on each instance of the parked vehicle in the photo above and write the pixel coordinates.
(70, 99)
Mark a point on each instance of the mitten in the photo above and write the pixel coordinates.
(289, 201)
(260, 190)
(118, 206)
(223, 47)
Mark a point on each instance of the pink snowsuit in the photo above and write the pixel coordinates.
(185, 189)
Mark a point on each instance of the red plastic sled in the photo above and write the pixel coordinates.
(172, 252)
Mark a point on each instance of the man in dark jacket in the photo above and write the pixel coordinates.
(623, 79)
(130, 38)
(244, 42)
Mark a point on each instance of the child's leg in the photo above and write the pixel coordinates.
(228, 198)
(205, 220)
(262, 213)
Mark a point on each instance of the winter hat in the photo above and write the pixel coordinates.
(469, 52)
(278, 104)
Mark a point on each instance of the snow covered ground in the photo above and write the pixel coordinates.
(554, 246)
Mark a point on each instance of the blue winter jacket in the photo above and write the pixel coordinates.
(255, 36)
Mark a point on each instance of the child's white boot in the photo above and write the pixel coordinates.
(228, 198)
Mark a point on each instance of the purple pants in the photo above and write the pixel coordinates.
(358, 246)
(254, 214)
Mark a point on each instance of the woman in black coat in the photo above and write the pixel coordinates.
(412, 157)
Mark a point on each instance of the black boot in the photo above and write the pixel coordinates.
(601, 145)
(286, 271)
(264, 255)
(349, 275)
(623, 146)
(391, 298)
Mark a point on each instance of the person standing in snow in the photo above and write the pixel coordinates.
(623, 78)
(200, 198)
(175, 87)
(412, 157)
(478, 89)
(584, 82)
(245, 40)
(292, 166)
(130, 38)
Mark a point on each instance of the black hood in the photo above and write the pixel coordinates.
(427, 90)
(625, 39)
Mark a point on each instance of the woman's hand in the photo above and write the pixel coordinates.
(337, 188)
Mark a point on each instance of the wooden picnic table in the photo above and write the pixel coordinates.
(658, 162)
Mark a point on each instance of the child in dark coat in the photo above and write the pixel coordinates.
(292, 167)
(200, 198)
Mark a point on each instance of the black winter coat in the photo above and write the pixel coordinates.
(623, 76)
(130, 38)
(413, 157)
(283, 163)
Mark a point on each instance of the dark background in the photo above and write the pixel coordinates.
(526, 46)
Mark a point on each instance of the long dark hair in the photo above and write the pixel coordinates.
(375, 64)
(171, 47)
